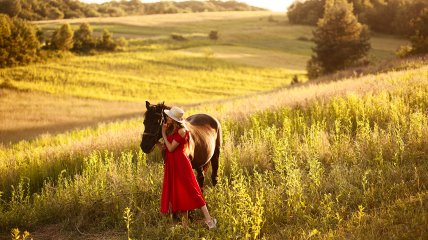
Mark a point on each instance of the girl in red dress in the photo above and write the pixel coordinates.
(180, 190)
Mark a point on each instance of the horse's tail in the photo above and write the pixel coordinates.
(216, 156)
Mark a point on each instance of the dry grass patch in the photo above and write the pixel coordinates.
(24, 115)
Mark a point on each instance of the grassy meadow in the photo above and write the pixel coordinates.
(342, 159)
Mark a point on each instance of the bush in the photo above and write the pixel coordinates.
(178, 37)
(83, 39)
(213, 35)
(62, 39)
(403, 51)
(122, 44)
(303, 38)
(106, 43)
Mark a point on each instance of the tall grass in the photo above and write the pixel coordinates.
(346, 167)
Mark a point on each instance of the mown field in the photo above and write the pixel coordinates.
(343, 159)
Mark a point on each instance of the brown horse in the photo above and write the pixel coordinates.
(204, 143)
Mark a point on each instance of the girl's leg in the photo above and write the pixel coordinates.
(185, 219)
(207, 215)
(211, 222)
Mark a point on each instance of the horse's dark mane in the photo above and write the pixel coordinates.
(158, 108)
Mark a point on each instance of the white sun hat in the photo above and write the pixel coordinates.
(175, 113)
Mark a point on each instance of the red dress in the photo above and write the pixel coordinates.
(180, 190)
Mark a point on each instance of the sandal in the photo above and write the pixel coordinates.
(212, 224)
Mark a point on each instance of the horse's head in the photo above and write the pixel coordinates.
(153, 120)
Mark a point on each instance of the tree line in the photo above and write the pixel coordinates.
(383, 16)
(22, 42)
(64, 9)
(342, 41)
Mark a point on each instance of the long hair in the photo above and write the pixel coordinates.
(179, 125)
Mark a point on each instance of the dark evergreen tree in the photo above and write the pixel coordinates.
(340, 40)
(62, 39)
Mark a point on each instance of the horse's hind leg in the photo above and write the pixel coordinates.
(200, 177)
(214, 165)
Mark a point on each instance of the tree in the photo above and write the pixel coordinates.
(25, 44)
(10, 7)
(420, 39)
(18, 42)
(5, 33)
(62, 39)
(83, 39)
(307, 12)
(107, 42)
(340, 40)
(55, 13)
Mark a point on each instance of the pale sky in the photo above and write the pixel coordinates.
(273, 5)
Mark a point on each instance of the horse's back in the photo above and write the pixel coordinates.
(203, 120)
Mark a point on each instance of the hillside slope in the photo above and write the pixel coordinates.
(340, 159)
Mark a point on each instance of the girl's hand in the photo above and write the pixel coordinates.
(164, 127)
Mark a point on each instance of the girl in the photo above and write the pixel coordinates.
(180, 190)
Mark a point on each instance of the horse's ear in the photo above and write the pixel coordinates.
(147, 104)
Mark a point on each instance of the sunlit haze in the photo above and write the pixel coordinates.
(273, 5)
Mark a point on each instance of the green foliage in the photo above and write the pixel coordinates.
(10, 7)
(178, 37)
(392, 16)
(58, 9)
(5, 34)
(213, 35)
(83, 39)
(55, 13)
(306, 12)
(16, 234)
(18, 42)
(107, 42)
(127, 217)
(62, 39)
(403, 51)
(420, 39)
(122, 44)
(340, 40)
(349, 166)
